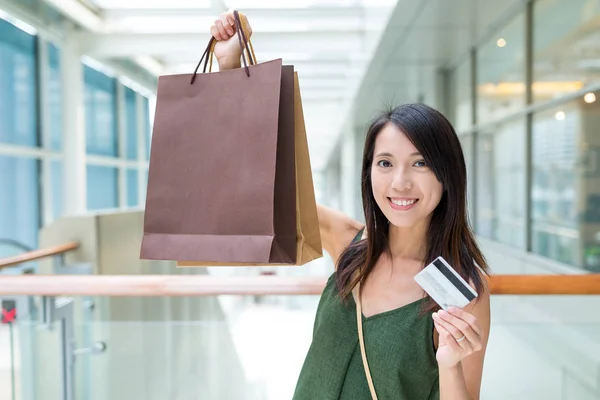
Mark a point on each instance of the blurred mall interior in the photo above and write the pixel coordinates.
(519, 79)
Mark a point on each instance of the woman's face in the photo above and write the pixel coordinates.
(404, 187)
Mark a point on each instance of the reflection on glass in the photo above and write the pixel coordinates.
(501, 184)
(466, 142)
(19, 200)
(102, 187)
(131, 125)
(132, 188)
(461, 93)
(56, 172)
(566, 184)
(54, 104)
(18, 119)
(566, 47)
(147, 124)
(100, 113)
(501, 72)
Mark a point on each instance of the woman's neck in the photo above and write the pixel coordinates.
(408, 242)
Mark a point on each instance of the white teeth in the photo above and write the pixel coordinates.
(403, 202)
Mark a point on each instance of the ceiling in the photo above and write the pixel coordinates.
(422, 38)
(353, 56)
(329, 42)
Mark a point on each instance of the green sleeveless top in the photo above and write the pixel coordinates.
(399, 346)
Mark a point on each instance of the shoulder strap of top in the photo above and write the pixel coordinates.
(358, 236)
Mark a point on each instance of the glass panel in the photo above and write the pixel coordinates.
(18, 116)
(19, 200)
(540, 347)
(466, 142)
(501, 72)
(9, 361)
(543, 347)
(131, 124)
(565, 47)
(147, 124)
(102, 187)
(461, 93)
(132, 188)
(54, 98)
(40, 369)
(100, 113)
(145, 185)
(57, 188)
(566, 181)
(501, 183)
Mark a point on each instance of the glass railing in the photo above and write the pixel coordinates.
(541, 347)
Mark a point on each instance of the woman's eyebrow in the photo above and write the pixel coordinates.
(415, 154)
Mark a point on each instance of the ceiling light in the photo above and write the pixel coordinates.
(560, 115)
(589, 98)
(501, 42)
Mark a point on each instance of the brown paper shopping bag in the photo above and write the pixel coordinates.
(221, 182)
(308, 236)
(307, 221)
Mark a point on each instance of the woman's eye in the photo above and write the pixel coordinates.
(420, 163)
(384, 164)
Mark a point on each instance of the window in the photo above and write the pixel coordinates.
(19, 202)
(147, 121)
(56, 171)
(466, 142)
(102, 187)
(566, 176)
(132, 188)
(18, 117)
(54, 98)
(501, 183)
(501, 72)
(131, 124)
(100, 113)
(462, 100)
(565, 47)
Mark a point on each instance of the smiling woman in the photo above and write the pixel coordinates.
(414, 202)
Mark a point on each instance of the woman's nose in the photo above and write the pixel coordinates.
(401, 181)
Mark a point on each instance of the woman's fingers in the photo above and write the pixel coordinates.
(466, 317)
(456, 331)
(230, 18)
(227, 25)
(222, 31)
(458, 328)
(215, 32)
(446, 337)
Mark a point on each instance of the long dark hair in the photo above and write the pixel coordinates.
(449, 233)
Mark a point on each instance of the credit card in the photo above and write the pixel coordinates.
(444, 285)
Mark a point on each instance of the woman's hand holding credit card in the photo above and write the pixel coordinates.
(459, 331)
(444, 285)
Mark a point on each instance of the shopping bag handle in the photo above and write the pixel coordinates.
(245, 44)
(245, 31)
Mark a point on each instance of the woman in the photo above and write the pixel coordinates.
(414, 199)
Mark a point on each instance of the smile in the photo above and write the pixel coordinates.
(402, 204)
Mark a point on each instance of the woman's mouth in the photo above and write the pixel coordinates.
(402, 204)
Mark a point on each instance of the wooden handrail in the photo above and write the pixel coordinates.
(207, 285)
(38, 254)
(585, 284)
(157, 285)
